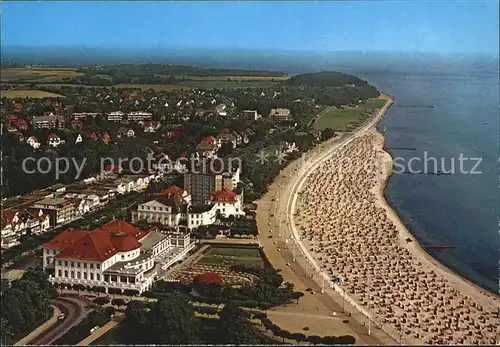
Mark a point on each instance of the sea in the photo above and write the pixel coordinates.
(446, 107)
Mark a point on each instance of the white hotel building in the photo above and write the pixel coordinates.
(116, 255)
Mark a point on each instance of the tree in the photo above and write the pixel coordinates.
(297, 296)
(235, 327)
(314, 339)
(101, 301)
(172, 321)
(118, 302)
(299, 337)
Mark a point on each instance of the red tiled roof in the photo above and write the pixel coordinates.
(209, 139)
(9, 215)
(172, 190)
(112, 168)
(224, 195)
(66, 239)
(100, 244)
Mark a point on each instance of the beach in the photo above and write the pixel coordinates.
(350, 231)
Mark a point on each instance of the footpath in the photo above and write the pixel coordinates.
(102, 330)
(44, 326)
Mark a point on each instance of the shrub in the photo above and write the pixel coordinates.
(101, 301)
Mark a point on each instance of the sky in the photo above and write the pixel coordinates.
(403, 26)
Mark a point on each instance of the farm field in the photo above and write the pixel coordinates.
(343, 119)
(235, 78)
(15, 93)
(37, 74)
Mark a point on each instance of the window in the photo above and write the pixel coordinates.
(92, 276)
(65, 263)
(72, 274)
(123, 257)
(98, 277)
(84, 275)
(72, 264)
(59, 273)
(84, 265)
(78, 264)
(78, 275)
(96, 266)
(65, 273)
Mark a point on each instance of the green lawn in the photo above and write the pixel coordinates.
(344, 119)
(107, 339)
(237, 256)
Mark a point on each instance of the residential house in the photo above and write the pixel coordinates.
(21, 124)
(226, 137)
(151, 127)
(126, 132)
(221, 110)
(85, 115)
(54, 140)
(201, 214)
(33, 142)
(227, 203)
(206, 150)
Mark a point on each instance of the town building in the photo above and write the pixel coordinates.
(116, 255)
(139, 116)
(50, 121)
(250, 115)
(60, 210)
(279, 114)
(201, 214)
(210, 176)
(115, 116)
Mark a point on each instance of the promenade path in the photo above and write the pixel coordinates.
(102, 330)
(43, 327)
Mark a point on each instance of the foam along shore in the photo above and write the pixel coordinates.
(350, 231)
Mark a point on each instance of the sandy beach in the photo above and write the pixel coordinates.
(350, 230)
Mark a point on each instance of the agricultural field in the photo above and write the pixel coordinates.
(340, 119)
(37, 74)
(224, 84)
(235, 78)
(166, 87)
(16, 93)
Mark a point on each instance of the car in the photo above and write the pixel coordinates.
(313, 292)
(287, 264)
(271, 215)
(270, 237)
(308, 290)
(61, 316)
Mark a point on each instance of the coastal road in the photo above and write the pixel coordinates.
(75, 312)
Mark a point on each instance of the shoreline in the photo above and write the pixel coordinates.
(432, 266)
(418, 249)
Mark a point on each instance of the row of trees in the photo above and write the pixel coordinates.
(172, 320)
(25, 304)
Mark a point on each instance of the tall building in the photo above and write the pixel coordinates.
(210, 176)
